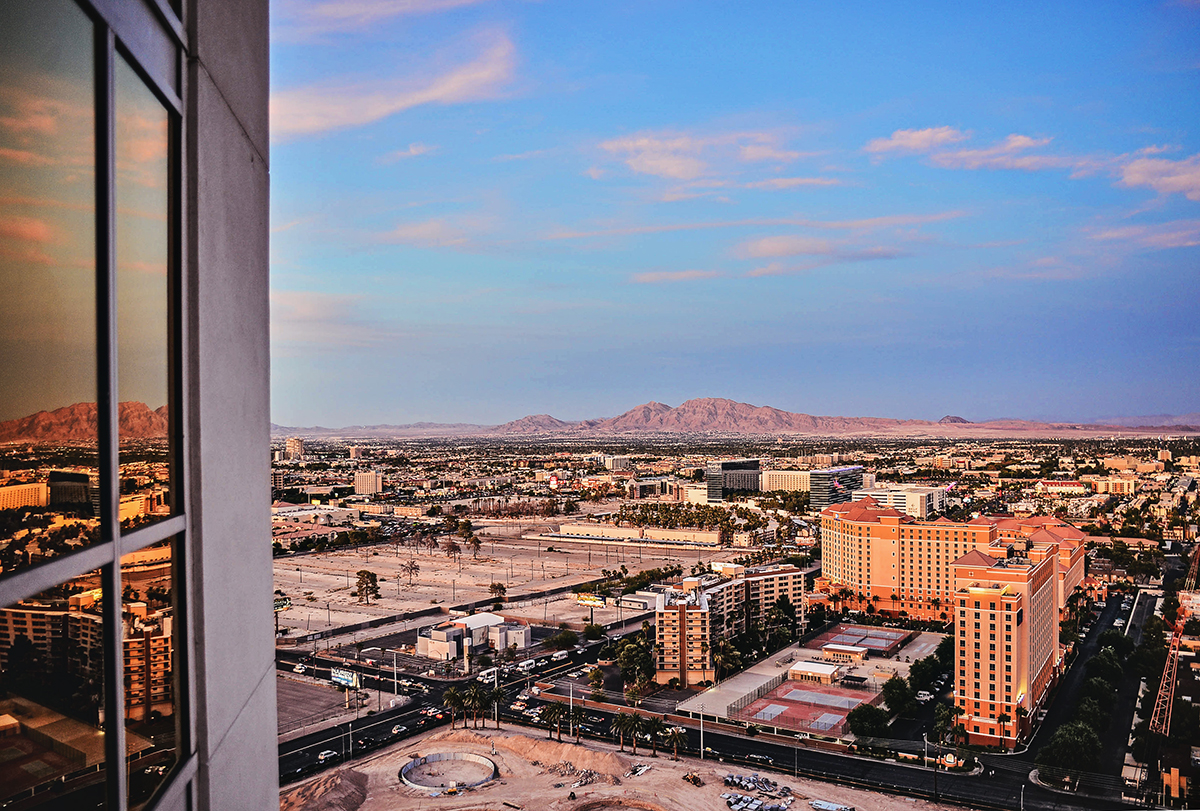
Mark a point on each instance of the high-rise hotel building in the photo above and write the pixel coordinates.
(1026, 568)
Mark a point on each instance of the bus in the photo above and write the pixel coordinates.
(489, 675)
(558, 657)
(527, 665)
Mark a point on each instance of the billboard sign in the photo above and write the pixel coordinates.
(590, 599)
(283, 603)
(347, 678)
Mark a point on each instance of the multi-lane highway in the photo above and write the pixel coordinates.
(998, 787)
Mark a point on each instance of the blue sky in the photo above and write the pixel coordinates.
(482, 210)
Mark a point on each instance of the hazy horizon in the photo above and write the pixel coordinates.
(485, 209)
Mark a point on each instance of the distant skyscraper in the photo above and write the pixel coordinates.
(295, 448)
(833, 485)
(368, 482)
(355, 452)
(732, 474)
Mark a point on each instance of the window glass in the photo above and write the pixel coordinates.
(142, 194)
(49, 485)
(52, 696)
(148, 624)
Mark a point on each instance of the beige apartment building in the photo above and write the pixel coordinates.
(692, 617)
(897, 563)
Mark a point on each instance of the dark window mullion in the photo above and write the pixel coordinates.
(107, 425)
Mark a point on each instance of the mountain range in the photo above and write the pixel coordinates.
(721, 416)
(709, 415)
(77, 423)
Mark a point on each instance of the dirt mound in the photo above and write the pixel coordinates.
(613, 804)
(342, 790)
(540, 750)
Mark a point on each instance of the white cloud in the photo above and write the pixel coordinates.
(1174, 234)
(766, 152)
(300, 19)
(321, 108)
(925, 140)
(683, 156)
(436, 233)
(668, 276)
(1165, 176)
(413, 151)
(793, 182)
(865, 224)
(310, 321)
(786, 246)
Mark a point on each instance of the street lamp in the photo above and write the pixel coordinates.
(395, 682)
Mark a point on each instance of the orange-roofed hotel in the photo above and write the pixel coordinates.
(1019, 571)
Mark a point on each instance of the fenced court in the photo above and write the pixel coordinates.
(882, 642)
(804, 707)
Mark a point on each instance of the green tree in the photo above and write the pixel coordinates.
(552, 715)
(498, 590)
(453, 700)
(410, 568)
(898, 696)
(1074, 746)
(654, 727)
(675, 738)
(368, 586)
(592, 631)
(868, 721)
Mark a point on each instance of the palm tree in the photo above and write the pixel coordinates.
(476, 700)
(676, 736)
(654, 727)
(453, 700)
(634, 725)
(451, 548)
(621, 724)
(410, 568)
(553, 715)
(1003, 719)
(475, 544)
(577, 716)
(497, 697)
(1020, 712)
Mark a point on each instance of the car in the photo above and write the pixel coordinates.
(924, 697)
(299, 668)
(399, 729)
(1119, 622)
(1101, 604)
(541, 662)
(367, 742)
(327, 756)
(760, 758)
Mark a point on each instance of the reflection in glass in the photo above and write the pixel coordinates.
(52, 696)
(148, 626)
(142, 184)
(49, 495)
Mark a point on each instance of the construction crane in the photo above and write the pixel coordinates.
(1160, 719)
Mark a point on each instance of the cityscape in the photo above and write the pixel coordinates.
(490, 404)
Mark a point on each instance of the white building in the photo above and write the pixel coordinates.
(368, 482)
(789, 480)
(918, 502)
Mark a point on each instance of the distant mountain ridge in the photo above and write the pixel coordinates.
(722, 416)
(77, 423)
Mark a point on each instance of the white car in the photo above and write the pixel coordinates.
(924, 697)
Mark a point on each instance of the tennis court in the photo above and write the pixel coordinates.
(807, 707)
(885, 642)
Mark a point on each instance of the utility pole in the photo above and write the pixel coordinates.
(702, 732)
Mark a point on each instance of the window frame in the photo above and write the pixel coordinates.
(141, 32)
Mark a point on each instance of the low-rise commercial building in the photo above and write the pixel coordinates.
(919, 502)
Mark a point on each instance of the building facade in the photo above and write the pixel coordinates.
(693, 617)
(919, 502)
(834, 485)
(901, 564)
(368, 482)
(789, 480)
(1007, 642)
(731, 474)
(148, 307)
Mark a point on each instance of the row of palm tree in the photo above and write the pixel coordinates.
(476, 700)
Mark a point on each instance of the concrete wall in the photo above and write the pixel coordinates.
(227, 356)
